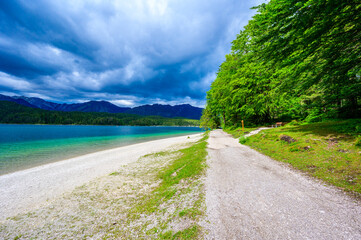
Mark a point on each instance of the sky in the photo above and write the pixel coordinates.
(127, 52)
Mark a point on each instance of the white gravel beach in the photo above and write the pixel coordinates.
(29, 189)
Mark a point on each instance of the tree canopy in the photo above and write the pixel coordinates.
(296, 59)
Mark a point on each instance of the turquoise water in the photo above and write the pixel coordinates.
(25, 146)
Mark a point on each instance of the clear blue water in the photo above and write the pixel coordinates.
(25, 146)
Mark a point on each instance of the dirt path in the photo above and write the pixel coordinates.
(256, 131)
(250, 196)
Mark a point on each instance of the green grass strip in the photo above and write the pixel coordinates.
(327, 150)
(190, 164)
(180, 176)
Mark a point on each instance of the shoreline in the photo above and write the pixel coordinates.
(43, 124)
(28, 189)
(78, 148)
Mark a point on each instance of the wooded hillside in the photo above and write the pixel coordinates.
(11, 112)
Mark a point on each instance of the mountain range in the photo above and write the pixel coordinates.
(183, 111)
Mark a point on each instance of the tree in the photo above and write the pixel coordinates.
(294, 59)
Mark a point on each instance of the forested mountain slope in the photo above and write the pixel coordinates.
(179, 111)
(11, 112)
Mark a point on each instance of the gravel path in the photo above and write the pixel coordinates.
(256, 131)
(29, 189)
(250, 196)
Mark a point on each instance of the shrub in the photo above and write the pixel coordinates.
(294, 123)
(358, 129)
(242, 140)
(358, 141)
(313, 117)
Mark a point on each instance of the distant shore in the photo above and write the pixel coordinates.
(29, 189)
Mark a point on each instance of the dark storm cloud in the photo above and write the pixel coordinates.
(128, 52)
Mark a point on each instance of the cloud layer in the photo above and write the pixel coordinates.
(128, 52)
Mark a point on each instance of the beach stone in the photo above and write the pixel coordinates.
(334, 140)
(287, 139)
(343, 150)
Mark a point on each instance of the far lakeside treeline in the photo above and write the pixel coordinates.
(11, 112)
(298, 59)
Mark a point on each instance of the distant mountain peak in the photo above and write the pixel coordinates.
(16, 100)
(164, 110)
(184, 110)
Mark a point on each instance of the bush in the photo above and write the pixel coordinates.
(313, 117)
(294, 123)
(242, 140)
(358, 129)
(358, 141)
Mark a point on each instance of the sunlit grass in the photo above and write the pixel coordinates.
(327, 150)
(238, 132)
(178, 178)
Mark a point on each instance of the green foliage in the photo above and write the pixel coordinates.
(190, 165)
(358, 129)
(295, 59)
(358, 141)
(15, 113)
(350, 127)
(242, 140)
(188, 233)
(314, 116)
(294, 123)
(208, 121)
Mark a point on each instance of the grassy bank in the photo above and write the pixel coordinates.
(159, 197)
(238, 132)
(328, 150)
(179, 180)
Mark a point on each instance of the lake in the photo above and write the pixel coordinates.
(26, 146)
